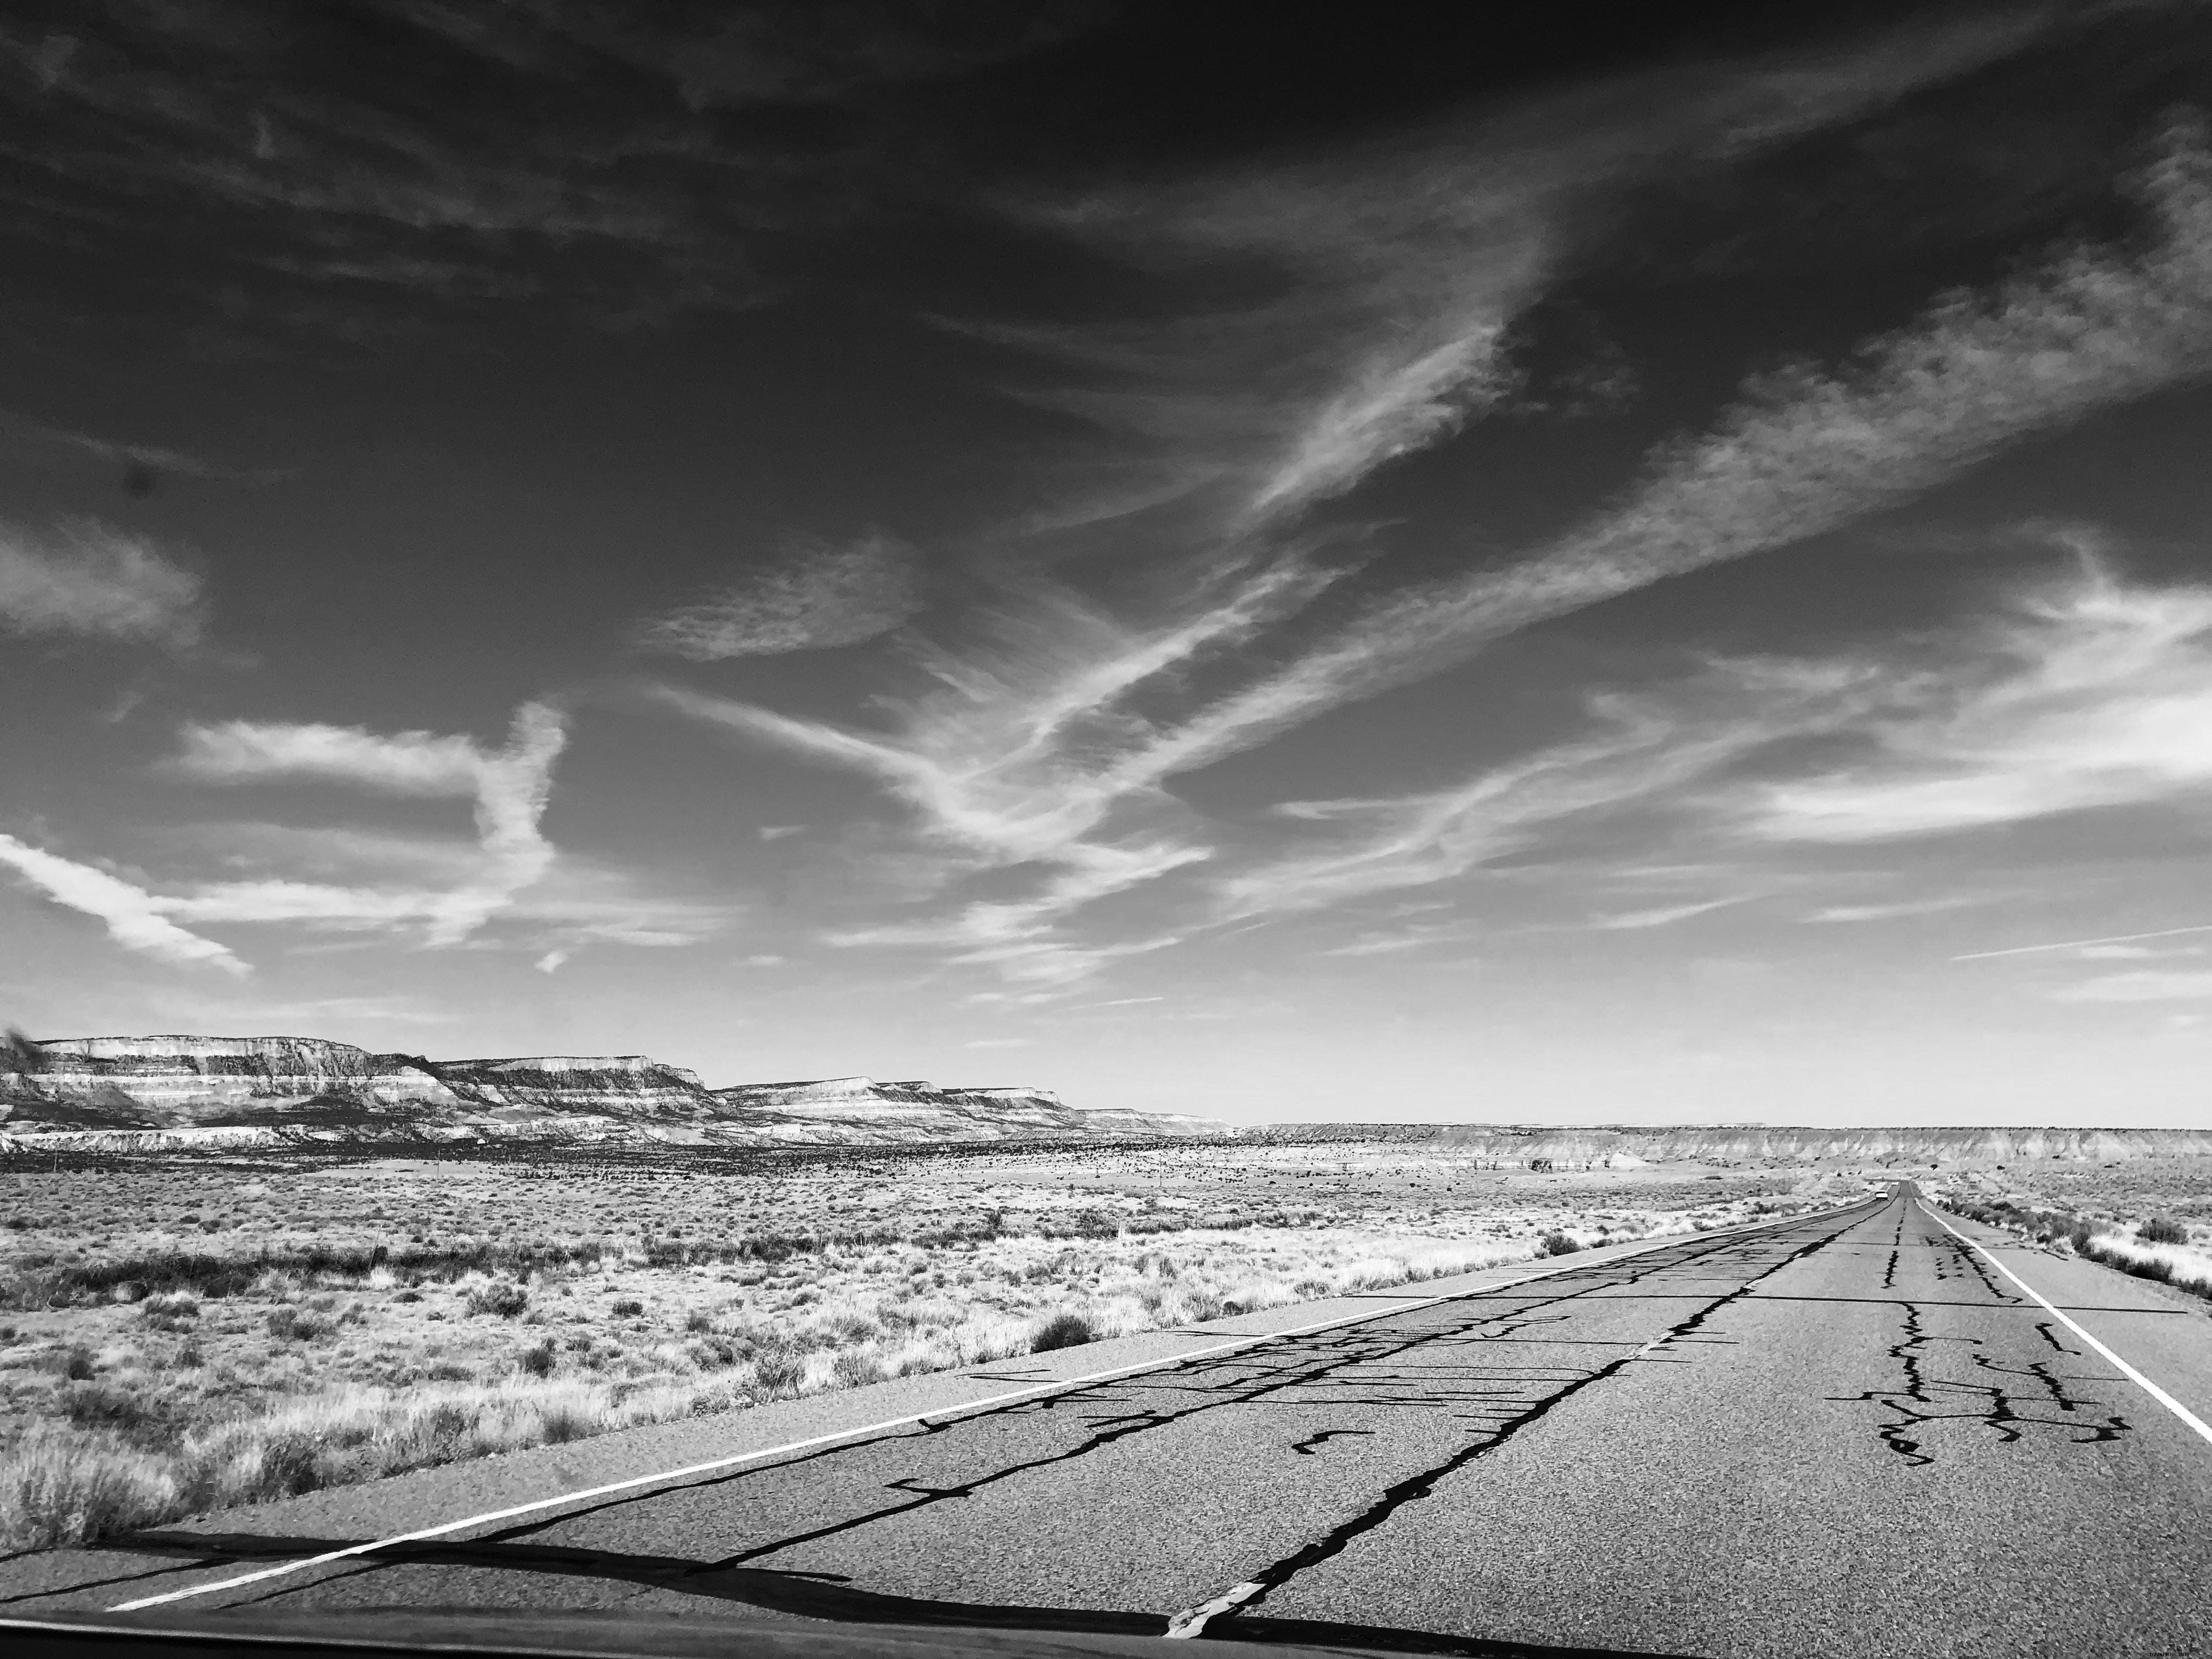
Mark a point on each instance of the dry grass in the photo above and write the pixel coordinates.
(187, 1339)
(2152, 1223)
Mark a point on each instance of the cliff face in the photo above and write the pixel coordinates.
(621, 1083)
(117, 1093)
(175, 1081)
(915, 1110)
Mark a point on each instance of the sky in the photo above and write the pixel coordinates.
(1375, 563)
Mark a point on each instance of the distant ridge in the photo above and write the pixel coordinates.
(122, 1093)
(1757, 1144)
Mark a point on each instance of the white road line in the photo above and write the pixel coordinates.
(2203, 1430)
(539, 1505)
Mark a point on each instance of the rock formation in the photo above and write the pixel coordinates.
(914, 1110)
(123, 1092)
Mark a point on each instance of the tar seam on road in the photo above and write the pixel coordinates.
(731, 1461)
(2203, 1430)
(1194, 1621)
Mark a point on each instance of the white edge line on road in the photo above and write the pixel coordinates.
(540, 1505)
(2203, 1430)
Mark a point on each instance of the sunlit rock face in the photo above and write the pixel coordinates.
(177, 1080)
(919, 1110)
(117, 1093)
(617, 1084)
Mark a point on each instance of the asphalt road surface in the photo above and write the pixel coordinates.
(1852, 1435)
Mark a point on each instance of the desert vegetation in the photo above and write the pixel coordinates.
(2153, 1221)
(178, 1336)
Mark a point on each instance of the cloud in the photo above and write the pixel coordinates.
(1388, 275)
(1403, 260)
(2086, 690)
(1001, 1042)
(96, 582)
(321, 903)
(1643, 749)
(1664, 916)
(151, 457)
(2081, 943)
(1001, 765)
(403, 763)
(133, 916)
(1011, 756)
(552, 961)
(1805, 452)
(1383, 945)
(2099, 694)
(1022, 939)
(1854, 913)
(2144, 985)
(814, 597)
(509, 787)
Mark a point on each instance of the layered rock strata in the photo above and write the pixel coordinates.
(117, 1093)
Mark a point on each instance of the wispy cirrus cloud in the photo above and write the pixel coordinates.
(135, 919)
(1403, 262)
(401, 763)
(152, 458)
(94, 581)
(2086, 689)
(1893, 909)
(2093, 692)
(2081, 944)
(1389, 277)
(336, 879)
(509, 786)
(811, 597)
(1643, 749)
(1003, 758)
(1664, 915)
(1806, 453)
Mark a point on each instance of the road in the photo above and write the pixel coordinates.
(1850, 1435)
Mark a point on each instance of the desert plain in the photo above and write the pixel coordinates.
(185, 1332)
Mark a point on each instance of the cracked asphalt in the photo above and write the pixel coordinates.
(1846, 1436)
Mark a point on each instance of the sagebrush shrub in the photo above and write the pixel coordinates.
(1063, 1330)
(293, 1324)
(779, 1373)
(501, 1297)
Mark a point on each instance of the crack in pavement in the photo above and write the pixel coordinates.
(1255, 1589)
(1993, 1405)
(1320, 1360)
